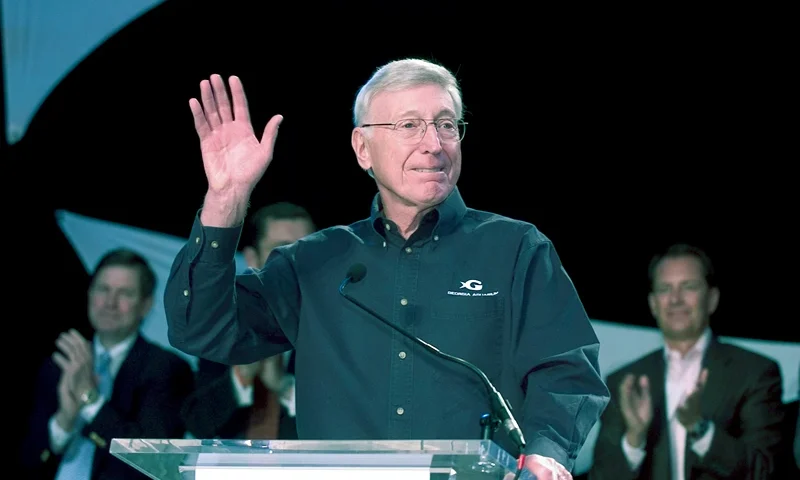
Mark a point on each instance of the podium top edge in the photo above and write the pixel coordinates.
(156, 445)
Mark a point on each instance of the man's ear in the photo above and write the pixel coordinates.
(251, 257)
(145, 307)
(358, 139)
(713, 300)
(653, 304)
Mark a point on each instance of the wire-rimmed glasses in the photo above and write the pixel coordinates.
(412, 130)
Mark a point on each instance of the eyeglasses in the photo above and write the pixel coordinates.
(412, 130)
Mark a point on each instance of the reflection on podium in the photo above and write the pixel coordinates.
(190, 459)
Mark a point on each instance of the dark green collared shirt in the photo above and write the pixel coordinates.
(477, 285)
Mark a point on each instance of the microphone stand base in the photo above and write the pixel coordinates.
(489, 424)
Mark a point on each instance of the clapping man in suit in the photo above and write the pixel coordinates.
(697, 408)
(115, 385)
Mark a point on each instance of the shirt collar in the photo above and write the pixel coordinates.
(447, 215)
(118, 352)
(698, 349)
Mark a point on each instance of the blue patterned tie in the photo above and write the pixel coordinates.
(77, 461)
(102, 369)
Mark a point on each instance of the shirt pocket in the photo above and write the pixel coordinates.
(470, 328)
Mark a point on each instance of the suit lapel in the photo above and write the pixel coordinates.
(657, 376)
(719, 377)
(125, 382)
(656, 372)
(124, 385)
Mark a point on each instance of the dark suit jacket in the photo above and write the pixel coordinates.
(212, 411)
(149, 389)
(743, 397)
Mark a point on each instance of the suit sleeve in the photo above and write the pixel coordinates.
(609, 462)
(160, 396)
(796, 443)
(756, 450)
(36, 457)
(556, 356)
(212, 410)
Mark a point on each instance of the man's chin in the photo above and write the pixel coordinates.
(435, 194)
(420, 196)
(105, 325)
(681, 333)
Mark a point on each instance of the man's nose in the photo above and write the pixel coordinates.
(112, 300)
(676, 297)
(430, 140)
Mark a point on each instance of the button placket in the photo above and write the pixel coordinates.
(402, 383)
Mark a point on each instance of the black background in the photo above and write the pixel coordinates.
(615, 132)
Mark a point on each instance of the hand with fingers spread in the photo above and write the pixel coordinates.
(76, 361)
(637, 408)
(233, 157)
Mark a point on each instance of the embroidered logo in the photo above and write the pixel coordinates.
(472, 285)
(474, 288)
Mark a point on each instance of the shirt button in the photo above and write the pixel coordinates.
(408, 249)
(388, 227)
(384, 244)
(400, 410)
(214, 244)
(197, 240)
(403, 301)
(436, 238)
(402, 354)
(186, 293)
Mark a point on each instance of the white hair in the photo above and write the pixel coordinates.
(402, 75)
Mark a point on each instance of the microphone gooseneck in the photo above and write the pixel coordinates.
(499, 405)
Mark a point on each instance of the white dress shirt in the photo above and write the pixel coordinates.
(244, 393)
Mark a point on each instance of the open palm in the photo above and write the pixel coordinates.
(233, 158)
(636, 403)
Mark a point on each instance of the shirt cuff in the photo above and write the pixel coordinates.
(703, 444)
(634, 456)
(287, 394)
(545, 447)
(59, 438)
(244, 394)
(212, 244)
(90, 411)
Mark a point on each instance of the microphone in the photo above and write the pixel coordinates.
(500, 407)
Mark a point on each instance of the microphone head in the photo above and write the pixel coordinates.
(357, 272)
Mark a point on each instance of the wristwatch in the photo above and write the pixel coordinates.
(699, 429)
(89, 397)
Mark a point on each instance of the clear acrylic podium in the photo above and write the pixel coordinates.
(181, 459)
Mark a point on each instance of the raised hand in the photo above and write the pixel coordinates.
(637, 408)
(74, 357)
(688, 411)
(76, 361)
(68, 404)
(234, 159)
